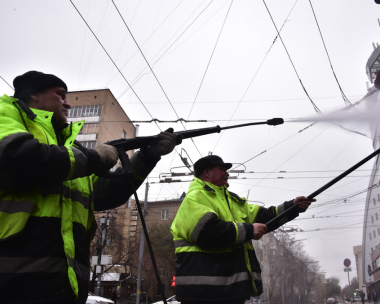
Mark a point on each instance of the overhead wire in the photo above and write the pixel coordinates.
(84, 39)
(294, 154)
(345, 99)
(113, 62)
(125, 37)
(153, 73)
(257, 155)
(141, 74)
(249, 101)
(254, 76)
(7, 83)
(99, 32)
(332, 161)
(209, 61)
(291, 61)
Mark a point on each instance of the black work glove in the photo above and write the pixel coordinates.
(167, 142)
(108, 156)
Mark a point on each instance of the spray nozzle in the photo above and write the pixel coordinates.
(275, 121)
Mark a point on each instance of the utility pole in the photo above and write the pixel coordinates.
(103, 242)
(141, 254)
(349, 283)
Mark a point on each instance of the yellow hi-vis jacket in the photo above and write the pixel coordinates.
(212, 234)
(48, 193)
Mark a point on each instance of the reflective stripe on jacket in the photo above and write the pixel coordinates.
(48, 218)
(212, 234)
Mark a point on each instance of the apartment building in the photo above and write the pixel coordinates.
(104, 117)
(371, 233)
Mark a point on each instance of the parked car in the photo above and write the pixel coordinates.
(93, 299)
(330, 301)
(171, 300)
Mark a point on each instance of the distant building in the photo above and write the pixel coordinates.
(371, 231)
(158, 212)
(358, 261)
(104, 118)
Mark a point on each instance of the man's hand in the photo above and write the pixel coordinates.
(304, 203)
(259, 230)
(168, 140)
(108, 156)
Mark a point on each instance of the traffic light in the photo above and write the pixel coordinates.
(172, 281)
(354, 293)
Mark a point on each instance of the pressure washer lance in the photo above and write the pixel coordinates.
(125, 144)
(323, 188)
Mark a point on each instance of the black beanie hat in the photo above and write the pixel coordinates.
(34, 82)
(209, 162)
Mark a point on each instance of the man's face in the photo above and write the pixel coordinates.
(217, 176)
(52, 100)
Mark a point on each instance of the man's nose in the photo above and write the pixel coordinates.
(66, 104)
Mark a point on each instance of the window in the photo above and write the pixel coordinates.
(124, 134)
(372, 218)
(88, 144)
(378, 197)
(374, 234)
(164, 214)
(378, 231)
(93, 110)
(374, 201)
(370, 235)
(90, 128)
(371, 249)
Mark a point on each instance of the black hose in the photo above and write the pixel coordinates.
(162, 291)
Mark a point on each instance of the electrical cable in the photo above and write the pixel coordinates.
(209, 61)
(125, 37)
(147, 62)
(100, 30)
(113, 62)
(84, 39)
(271, 147)
(254, 76)
(293, 154)
(295, 70)
(141, 74)
(345, 99)
(249, 101)
(7, 83)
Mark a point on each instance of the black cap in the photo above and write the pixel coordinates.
(209, 162)
(34, 82)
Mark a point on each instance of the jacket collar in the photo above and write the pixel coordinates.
(199, 184)
(68, 131)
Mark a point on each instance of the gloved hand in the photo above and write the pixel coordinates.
(167, 142)
(108, 156)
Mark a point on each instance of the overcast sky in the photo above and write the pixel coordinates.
(242, 76)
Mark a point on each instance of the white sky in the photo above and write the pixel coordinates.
(51, 37)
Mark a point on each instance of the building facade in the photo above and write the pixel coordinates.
(371, 231)
(104, 118)
(358, 262)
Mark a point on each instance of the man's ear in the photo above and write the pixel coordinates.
(34, 97)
